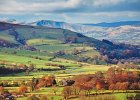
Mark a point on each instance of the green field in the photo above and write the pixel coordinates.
(47, 48)
(57, 52)
(49, 93)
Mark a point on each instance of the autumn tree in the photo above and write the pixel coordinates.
(88, 88)
(76, 89)
(99, 74)
(105, 58)
(43, 97)
(2, 98)
(32, 97)
(134, 86)
(67, 91)
(117, 86)
(123, 86)
(112, 87)
(33, 83)
(1, 89)
(54, 89)
(46, 81)
(120, 64)
(31, 67)
(111, 75)
(22, 89)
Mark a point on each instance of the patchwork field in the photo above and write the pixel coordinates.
(41, 62)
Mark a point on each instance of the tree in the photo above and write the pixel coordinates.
(98, 86)
(112, 87)
(31, 67)
(27, 72)
(32, 97)
(76, 89)
(43, 97)
(1, 98)
(123, 86)
(117, 86)
(33, 83)
(46, 81)
(119, 64)
(22, 89)
(22, 66)
(111, 74)
(87, 87)
(99, 74)
(134, 86)
(119, 70)
(105, 58)
(1, 89)
(54, 89)
(67, 91)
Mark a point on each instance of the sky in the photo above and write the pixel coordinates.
(71, 11)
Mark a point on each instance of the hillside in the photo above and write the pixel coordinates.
(21, 33)
(123, 32)
(30, 54)
(64, 43)
(55, 42)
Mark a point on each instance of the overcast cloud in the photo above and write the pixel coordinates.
(75, 11)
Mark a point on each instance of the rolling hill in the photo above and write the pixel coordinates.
(22, 33)
(116, 24)
(55, 42)
(122, 34)
(63, 43)
(119, 32)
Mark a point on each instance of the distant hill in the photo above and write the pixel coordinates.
(45, 38)
(55, 42)
(63, 25)
(116, 24)
(19, 34)
(120, 32)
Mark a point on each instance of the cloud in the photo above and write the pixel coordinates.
(68, 10)
(13, 6)
(66, 6)
(106, 2)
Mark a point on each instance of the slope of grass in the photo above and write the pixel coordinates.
(4, 35)
(23, 52)
(21, 59)
(54, 47)
(42, 41)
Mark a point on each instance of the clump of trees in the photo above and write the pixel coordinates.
(45, 81)
(128, 65)
(115, 78)
(55, 65)
(121, 79)
(4, 70)
(5, 95)
(34, 97)
(70, 40)
(120, 52)
(1, 89)
(15, 68)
